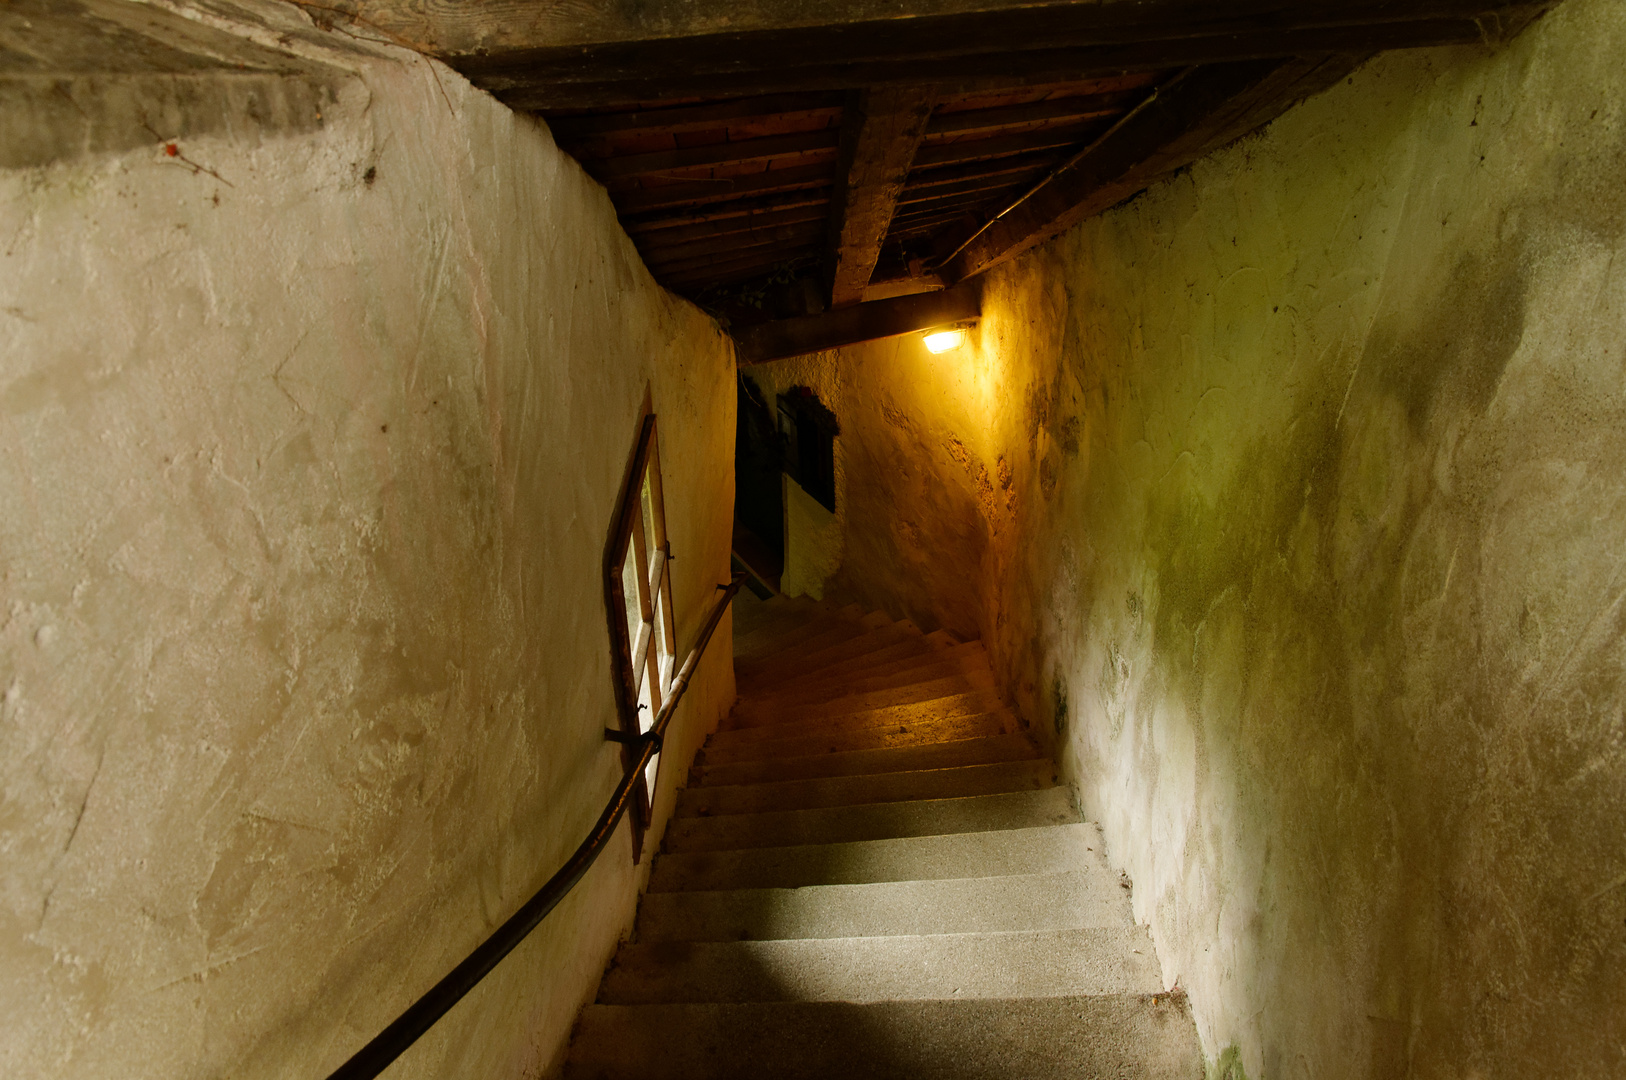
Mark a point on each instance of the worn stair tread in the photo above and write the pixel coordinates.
(944, 783)
(825, 629)
(799, 743)
(900, 703)
(874, 821)
(1046, 849)
(768, 673)
(943, 714)
(983, 750)
(890, 662)
(974, 669)
(948, 707)
(1107, 1037)
(1060, 901)
(908, 967)
(836, 633)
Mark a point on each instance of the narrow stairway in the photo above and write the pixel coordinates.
(873, 873)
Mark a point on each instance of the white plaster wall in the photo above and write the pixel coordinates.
(307, 464)
(1293, 499)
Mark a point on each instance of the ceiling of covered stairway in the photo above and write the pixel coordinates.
(785, 156)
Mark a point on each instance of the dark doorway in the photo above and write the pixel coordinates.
(759, 513)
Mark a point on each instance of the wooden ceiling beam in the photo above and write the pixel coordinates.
(962, 151)
(735, 225)
(711, 271)
(804, 233)
(881, 130)
(774, 147)
(705, 192)
(1200, 110)
(860, 322)
(682, 119)
(1037, 41)
(1037, 112)
(583, 30)
(813, 200)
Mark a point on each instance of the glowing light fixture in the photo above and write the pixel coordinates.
(942, 341)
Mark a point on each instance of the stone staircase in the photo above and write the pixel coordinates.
(872, 873)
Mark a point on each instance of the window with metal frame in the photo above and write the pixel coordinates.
(639, 589)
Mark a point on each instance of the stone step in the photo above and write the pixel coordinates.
(907, 657)
(911, 967)
(751, 713)
(819, 687)
(1108, 1037)
(1064, 901)
(1049, 849)
(875, 821)
(896, 639)
(869, 788)
(932, 755)
(824, 630)
(952, 706)
(798, 743)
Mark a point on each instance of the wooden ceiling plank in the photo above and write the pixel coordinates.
(705, 192)
(695, 157)
(804, 233)
(687, 118)
(708, 269)
(1048, 111)
(813, 201)
(881, 131)
(1200, 110)
(859, 322)
(732, 225)
(963, 151)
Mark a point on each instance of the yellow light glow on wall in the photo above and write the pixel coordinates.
(942, 341)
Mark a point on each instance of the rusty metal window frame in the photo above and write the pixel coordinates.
(638, 587)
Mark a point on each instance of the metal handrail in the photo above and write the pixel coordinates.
(393, 1041)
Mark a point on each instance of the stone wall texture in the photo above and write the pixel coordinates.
(310, 439)
(1291, 497)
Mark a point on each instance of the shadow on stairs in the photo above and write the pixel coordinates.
(873, 874)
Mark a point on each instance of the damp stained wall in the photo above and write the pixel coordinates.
(1292, 499)
(307, 465)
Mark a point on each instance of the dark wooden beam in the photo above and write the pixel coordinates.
(715, 272)
(706, 266)
(1200, 110)
(1032, 41)
(681, 119)
(582, 29)
(774, 147)
(1037, 112)
(722, 246)
(807, 199)
(962, 151)
(880, 132)
(861, 322)
(735, 225)
(703, 192)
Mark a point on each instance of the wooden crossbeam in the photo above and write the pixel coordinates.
(703, 192)
(681, 119)
(774, 147)
(861, 322)
(1056, 109)
(926, 41)
(734, 225)
(880, 132)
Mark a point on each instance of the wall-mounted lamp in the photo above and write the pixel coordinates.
(945, 339)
